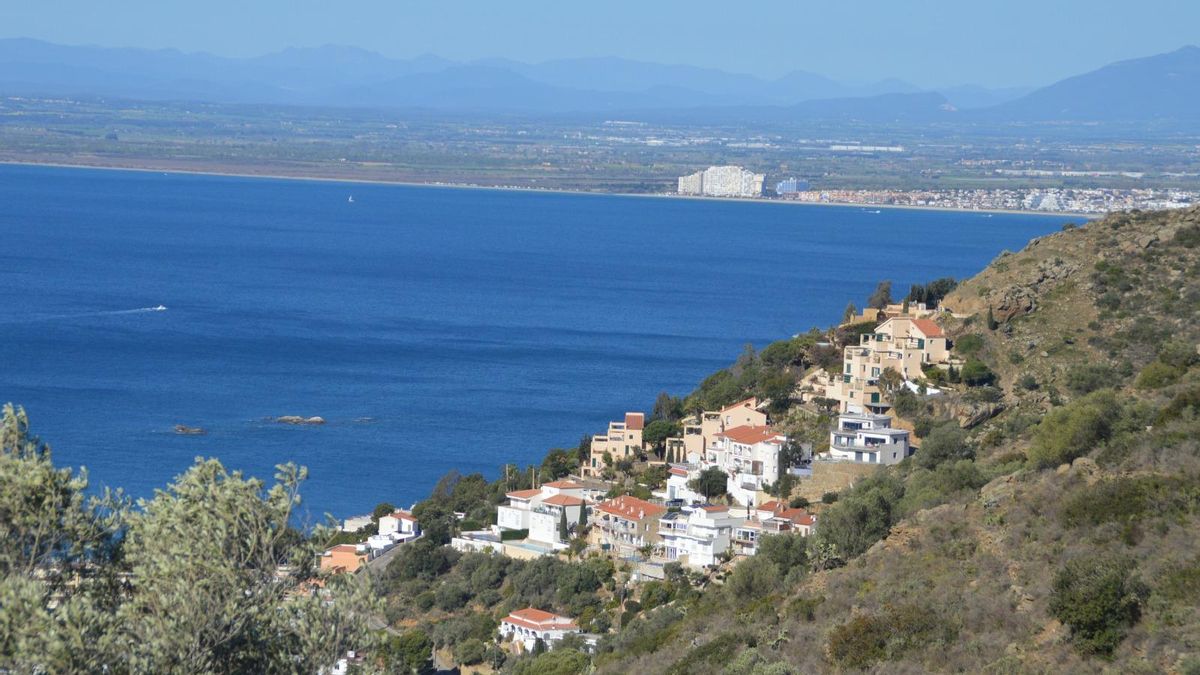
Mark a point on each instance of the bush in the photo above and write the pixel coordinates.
(1089, 377)
(451, 596)
(968, 345)
(868, 638)
(1098, 599)
(907, 404)
(752, 579)
(829, 497)
(1028, 382)
(655, 593)
(1073, 430)
(798, 503)
(470, 652)
(945, 442)
(556, 662)
(1157, 375)
(975, 373)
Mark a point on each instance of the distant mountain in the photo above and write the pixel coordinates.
(336, 75)
(1164, 86)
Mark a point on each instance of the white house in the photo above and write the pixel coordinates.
(868, 439)
(540, 510)
(697, 536)
(678, 477)
(526, 626)
(749, 455)
(400, 526)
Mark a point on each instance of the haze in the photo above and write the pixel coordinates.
(928, 42)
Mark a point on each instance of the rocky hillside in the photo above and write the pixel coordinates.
(1057, 533)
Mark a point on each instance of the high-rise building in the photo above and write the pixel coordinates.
(791, 186)
(722, 181)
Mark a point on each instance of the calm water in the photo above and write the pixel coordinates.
(433, 328)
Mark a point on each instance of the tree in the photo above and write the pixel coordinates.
(563, 529)
(666, 407)
(557, 464)
(409, 653)
(711, 482)
(657, 432)
(882, 296)
(992, 324)
(849, 313)
(975, 373)
(382, 509)
(1099, 599)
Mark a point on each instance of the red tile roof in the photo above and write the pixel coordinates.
(774, 506)
(403, 515)
(751, 403)
(562, 500)
(929, 327)
(678, 471)
(536, 619)
(631, 508)
(564, 485)
(635, 421)
(524, 494)
(715, 508)
(798, 516)
(749, 435)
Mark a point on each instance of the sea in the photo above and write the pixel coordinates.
(434, 329)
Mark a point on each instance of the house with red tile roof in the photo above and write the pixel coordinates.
(903, 344)
(749, 456)
(524, 627)
(399, 526)
(344, 558)
(627, 523)
(623, 440)
(541, 510)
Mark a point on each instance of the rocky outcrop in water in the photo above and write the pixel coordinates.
(298, 420)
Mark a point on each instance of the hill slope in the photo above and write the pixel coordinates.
(1057, 536)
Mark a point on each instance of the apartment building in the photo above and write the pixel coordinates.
(699, 433)
(749, 455)
(770, 518)
(901, 343)
(626, 523)
(722, 181)
(540, 510)
(868, 439)
(622, 440)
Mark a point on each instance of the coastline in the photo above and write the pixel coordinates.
(510, 188)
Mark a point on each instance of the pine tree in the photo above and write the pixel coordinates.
(991, 320)
(563, 531)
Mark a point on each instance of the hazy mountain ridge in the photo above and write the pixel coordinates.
(1164, 86)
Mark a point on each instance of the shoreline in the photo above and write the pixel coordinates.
(565, 191)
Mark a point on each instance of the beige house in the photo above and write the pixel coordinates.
(699, 434)
(627, 522)
(902, 343)
(623, 440)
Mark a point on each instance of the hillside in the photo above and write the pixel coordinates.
(1057, 537)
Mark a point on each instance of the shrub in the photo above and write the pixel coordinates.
(870, 638)
(907, 404)
(829, 497)
(470, 651)
(945, 442)
(975, 373)
(556, 662)
(1098, 598)
(1073, 430)
(1130, 499)
(798, 503)
(752, 579)
(1089, 377)
(1157, 375)
(451, 596)
(655, 593)
(968, 345)
(1028, 382)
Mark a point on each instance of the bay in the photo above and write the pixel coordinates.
(433, 328)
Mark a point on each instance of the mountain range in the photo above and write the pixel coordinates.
(1165, 86)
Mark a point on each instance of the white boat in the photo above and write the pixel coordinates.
(351, 199)
(160, 308)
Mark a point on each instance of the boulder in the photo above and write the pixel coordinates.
(296, 419)
(185, 430)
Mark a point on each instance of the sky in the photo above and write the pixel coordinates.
(927, 42)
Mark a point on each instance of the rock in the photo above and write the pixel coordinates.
(185, 430)
(296, 419)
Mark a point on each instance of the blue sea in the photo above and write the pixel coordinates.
(433, 328)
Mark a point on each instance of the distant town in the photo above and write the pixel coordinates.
(736, 181)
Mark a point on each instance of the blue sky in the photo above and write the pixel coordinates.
(928, 42)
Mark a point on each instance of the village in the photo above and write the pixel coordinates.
(721, 493)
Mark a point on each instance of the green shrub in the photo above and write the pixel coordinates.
(975, 373)
(968, 345)
(556, 662)
(1074, 430)
(470, 651)
(716, 651)
(1028, 382)
(1098, 598)
(1131, 499)
(870, 638)
(945, 442)
(1157, 375)
(1089, 377)
(829, 497)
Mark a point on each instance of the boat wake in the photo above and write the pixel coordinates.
(87, 315)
